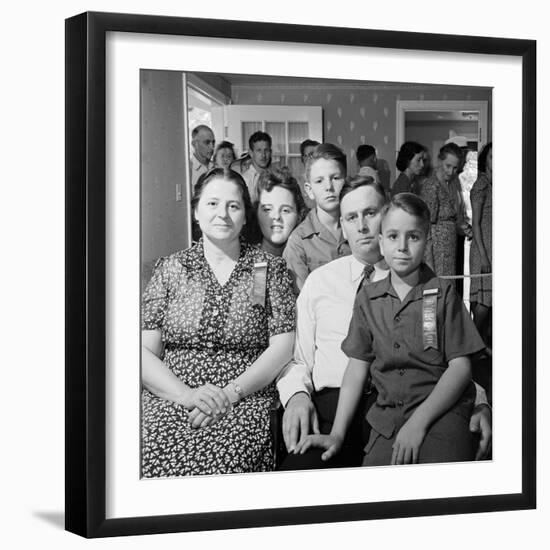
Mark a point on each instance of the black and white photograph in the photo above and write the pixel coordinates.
(283, 253)
(315, 272)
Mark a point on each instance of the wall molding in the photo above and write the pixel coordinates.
(359, 86)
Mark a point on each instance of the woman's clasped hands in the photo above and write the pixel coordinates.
(206, 404)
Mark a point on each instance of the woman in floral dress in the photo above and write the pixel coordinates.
(438, 195)
(481, 197)
(218, 326)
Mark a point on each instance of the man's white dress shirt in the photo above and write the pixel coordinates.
(324, 309)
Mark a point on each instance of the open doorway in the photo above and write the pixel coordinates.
(433, 122)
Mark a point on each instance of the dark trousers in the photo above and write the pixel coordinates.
(351, 454)
(448, 440)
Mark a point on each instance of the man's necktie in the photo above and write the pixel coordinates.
(367, 272)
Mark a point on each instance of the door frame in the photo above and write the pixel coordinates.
(402, 106)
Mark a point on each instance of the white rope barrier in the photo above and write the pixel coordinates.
(471, 276)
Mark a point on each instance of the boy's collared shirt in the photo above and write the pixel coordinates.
(310, 246)
(388, 333)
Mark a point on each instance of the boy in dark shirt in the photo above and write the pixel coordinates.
(412, 334)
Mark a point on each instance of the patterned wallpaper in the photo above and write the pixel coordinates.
(356, 114)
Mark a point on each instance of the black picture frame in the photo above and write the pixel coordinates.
(86, 269)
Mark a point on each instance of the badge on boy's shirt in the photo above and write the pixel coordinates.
(429, 318)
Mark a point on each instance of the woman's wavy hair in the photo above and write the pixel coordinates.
(231, 176)
(451, 149)
(407, 152)
(225, 145)
(278, 178)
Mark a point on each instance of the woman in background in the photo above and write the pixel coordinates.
(217, 328)
(410, 162)
(224, 155)
(438, 195)
(481, 198)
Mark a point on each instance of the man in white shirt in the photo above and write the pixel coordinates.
(309, 384)
(202, 141)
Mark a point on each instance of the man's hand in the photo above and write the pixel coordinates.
(480, 422)
(299, 416)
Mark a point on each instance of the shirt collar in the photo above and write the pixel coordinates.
(311, 225)
(197, 165)
(251, 168)
(426, 280)
(356, 267)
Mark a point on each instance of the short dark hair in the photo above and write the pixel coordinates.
(407, 152)
(326, 151)
(450, 149)
(482, 158)
(198, 128)
(355, 182)
(410, 203)
(225, 145)
(307, 143)
(258, 136)
(228, 175)
(364, 152)
(283, 178)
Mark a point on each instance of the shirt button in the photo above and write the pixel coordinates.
(400, 403)
(397, 319)
(396, 345)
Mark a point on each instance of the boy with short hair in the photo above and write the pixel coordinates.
(319, 239)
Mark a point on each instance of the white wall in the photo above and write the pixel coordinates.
(31, 229)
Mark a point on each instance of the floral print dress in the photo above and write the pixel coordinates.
(443, 216)
(212, 333)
